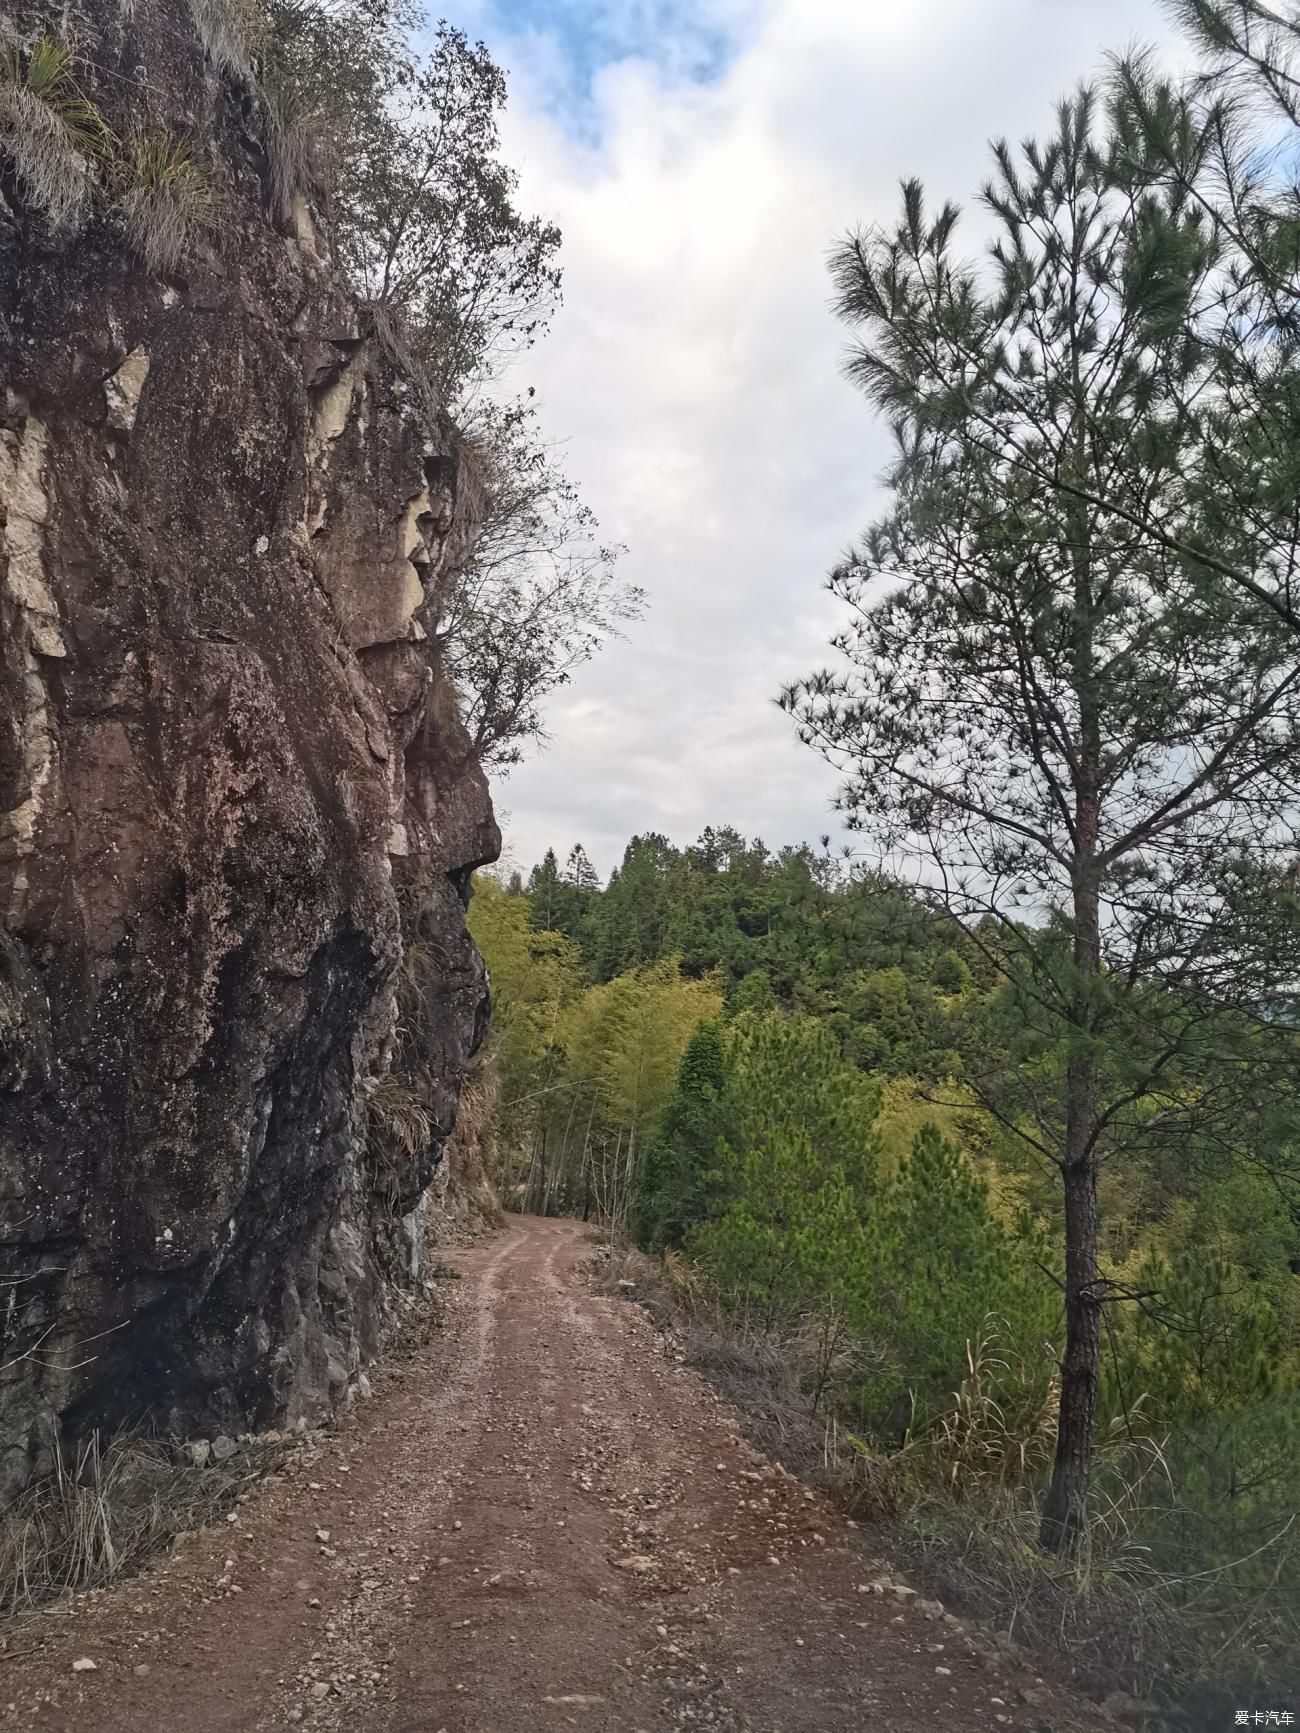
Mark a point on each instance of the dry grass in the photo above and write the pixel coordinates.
(228, 30)
(412, 1319)
(394, 340)
(293, 137)
(463, 1200)
(398, 1132)
(165, 197)
(51, 133)
(400, 1114)
(769, 1380)
(100, 1514)
(476, 1113)
(999, 1428)
(1196, 1641)
(618, 1267)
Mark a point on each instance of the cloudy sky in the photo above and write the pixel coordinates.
(701, 156)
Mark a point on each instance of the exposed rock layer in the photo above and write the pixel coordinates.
(226, 747)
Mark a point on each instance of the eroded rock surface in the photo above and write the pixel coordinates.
(227, 751)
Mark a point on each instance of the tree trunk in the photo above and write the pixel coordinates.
(536, 1199)
(1065, 1505)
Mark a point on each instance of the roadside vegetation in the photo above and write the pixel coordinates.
(998, 1154)
(982, 1173)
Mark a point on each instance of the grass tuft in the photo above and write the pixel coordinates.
(51, 133)
(165, 196)
(294, 142)
(228, 29)
(102, 1512)
(400, 1115)
(398, 1133)
(999, 1428)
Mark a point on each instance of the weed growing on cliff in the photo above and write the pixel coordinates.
(164, 196)
(421, 205)
(50, 133)
(294, 145)
(400, 1114)
(228, 29)
(390, 125)
(462, 1194)
(399, 1132)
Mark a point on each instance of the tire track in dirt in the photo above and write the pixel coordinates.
(541, 1518)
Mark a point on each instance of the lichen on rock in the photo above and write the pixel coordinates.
(227, 750)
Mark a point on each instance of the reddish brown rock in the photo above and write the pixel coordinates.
(225, 747)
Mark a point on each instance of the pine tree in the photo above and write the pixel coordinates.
(947, 1272)
(950, 973)
(634, 913)
(1204, 1341)
(1061, 716)
(794, 1244)
(561, 901)
(579, 872)
(673, 1189)
(796, 1176)
(753, 993)
(544, 893)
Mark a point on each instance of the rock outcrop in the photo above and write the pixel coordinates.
(230, 772)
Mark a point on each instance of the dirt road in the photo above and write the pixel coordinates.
(539, 1521)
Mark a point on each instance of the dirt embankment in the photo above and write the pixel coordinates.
(540, 1520)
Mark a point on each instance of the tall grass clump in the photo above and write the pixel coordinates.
(51, 134)
(105, 1509)
(227, 29)
(164, 196)
(1129, 1607)
(293, 138)
(399, 1131)
(1182, 1589)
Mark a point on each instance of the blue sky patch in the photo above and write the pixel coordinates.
(571, 41)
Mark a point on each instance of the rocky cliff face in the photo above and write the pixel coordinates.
(230, 767)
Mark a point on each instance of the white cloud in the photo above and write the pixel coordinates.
(693, 372)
